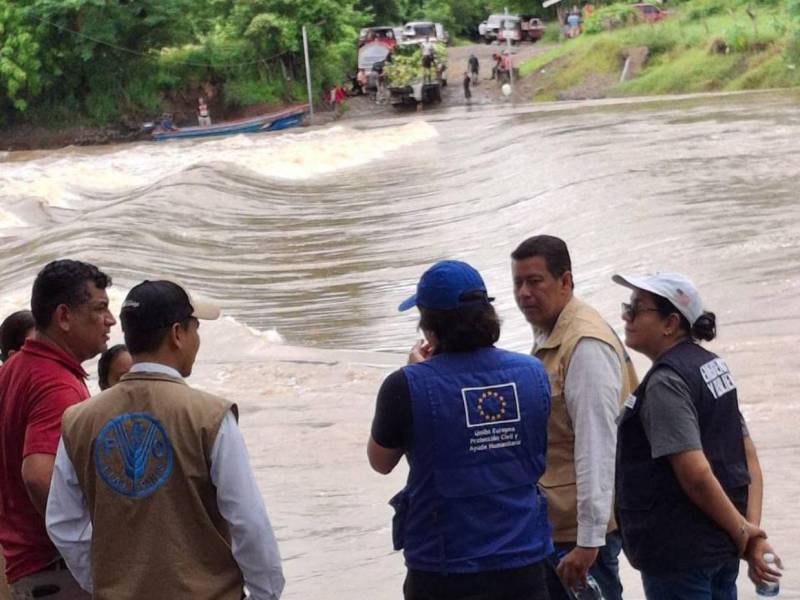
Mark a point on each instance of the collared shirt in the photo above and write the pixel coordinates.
(37, 385)
(238, 498)
(592, 388)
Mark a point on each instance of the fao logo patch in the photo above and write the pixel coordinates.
(133, 455)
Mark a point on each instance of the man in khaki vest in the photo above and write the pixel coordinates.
(152, 493)
(590, 377)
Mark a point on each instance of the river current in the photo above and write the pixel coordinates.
(309, 240)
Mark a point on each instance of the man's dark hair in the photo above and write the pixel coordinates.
(148, 340)
(104, 364)
(63, 282)
(13, 332)
(552, 249)
(463, 329)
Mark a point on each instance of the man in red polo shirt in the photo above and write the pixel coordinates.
(37, 384)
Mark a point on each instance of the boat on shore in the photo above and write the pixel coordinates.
(289, 117)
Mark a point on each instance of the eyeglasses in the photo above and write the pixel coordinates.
(631, 311)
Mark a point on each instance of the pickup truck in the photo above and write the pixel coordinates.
(407, 81)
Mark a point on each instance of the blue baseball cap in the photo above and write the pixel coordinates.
(442, 286)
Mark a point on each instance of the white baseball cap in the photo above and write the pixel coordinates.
(675, 287)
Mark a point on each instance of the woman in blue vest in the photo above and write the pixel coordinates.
(688, 482)
(472, 422)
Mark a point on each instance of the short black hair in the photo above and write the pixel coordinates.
(469, 327)
(104, 364)
(13, 331)
(553, 250)
(144, 339)
(704, 328)
(63, 282)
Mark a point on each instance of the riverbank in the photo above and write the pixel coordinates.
(699, 47)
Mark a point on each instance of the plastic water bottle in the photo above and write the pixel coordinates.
(768, 588)
(591, 591)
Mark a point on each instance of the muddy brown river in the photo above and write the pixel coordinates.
(310, 239)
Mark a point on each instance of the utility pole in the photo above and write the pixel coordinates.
(508, 45)
(308, 73)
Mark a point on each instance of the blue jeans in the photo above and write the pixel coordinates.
(707, 583)
(605, 570)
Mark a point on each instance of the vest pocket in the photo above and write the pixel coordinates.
(400, 504)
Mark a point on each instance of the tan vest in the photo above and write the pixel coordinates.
(141, 451)
(577, 320)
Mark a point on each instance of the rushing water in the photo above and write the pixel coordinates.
(313, 237)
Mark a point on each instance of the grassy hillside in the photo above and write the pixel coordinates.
(703, 45)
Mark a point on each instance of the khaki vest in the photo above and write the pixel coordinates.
(158, 533)
(577, 320)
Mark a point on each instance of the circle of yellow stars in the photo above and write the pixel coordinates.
(491, 416)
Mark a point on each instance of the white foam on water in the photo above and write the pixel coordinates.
(323, 152)
(10, 220)
(60, 181)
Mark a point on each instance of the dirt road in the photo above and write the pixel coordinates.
(486, 92)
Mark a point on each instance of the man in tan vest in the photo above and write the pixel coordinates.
(590, 377)
(152, 493)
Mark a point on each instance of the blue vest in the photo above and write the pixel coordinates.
(663, 531)
(479, 435)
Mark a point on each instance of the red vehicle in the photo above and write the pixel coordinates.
(381, 35)
(650, 12)
(524, 28)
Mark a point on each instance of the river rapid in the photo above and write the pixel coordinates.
(309, 240)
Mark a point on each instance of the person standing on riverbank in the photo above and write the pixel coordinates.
(70, 307)
(473, 67)
(466, 83)
(159, 473)
(688, 481)
(590, 375)
(203, 116)
(471, 420)
(427, 59)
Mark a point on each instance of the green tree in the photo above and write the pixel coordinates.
(20, 65)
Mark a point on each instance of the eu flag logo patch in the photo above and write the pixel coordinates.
(491, 405)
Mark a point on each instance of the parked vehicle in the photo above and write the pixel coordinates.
(490, 28)
(522, 28)
(417, 31)
(409, 84)
(533, 28)
(381, 35)
(510, 30)
(650, 12)
(371, 58)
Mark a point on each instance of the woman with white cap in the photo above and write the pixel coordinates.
(688, 483)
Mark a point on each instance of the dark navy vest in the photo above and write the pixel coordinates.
(663, 531)
(477, 450)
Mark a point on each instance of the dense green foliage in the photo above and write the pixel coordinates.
(103, 59)
(97, 61)
(611, 17)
